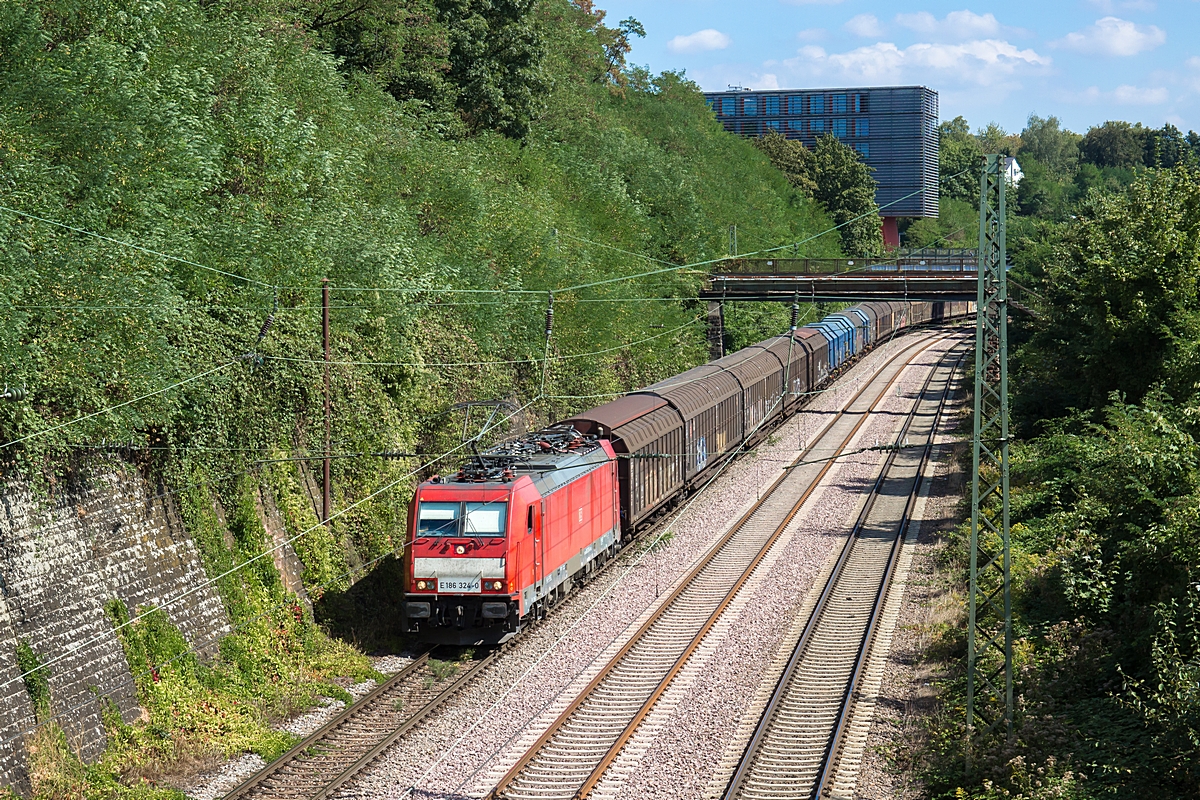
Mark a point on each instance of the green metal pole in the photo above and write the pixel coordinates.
(989, 609)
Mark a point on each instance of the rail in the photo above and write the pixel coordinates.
(334, 754)
(779, 761)
(570, 757)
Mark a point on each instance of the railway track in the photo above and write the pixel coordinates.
(569, 759)
(795, 746)
(331, 756)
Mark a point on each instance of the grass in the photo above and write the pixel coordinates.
(442, 669)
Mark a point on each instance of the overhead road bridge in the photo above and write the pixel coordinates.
(936, 275)
(926, 274)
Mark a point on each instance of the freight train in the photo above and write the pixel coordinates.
(521, 524)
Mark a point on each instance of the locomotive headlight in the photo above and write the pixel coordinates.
(422, 585)
(496, 585)
(460, 549)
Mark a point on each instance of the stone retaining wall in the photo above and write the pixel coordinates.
(65, 555)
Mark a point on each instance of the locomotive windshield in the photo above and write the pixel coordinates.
(462, 519)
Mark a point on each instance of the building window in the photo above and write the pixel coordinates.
(772, 124)
(863, 149)
(771, 106)
(795, 125)
(750, 106)
(839, 128)
(817, 126)
(750, 127)
(862, 127)
(816, 104)
(710, 102)
(861, 105)
(839, 104)
(727, 106)
(796, 105)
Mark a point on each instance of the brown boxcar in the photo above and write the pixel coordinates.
(760, 374)
(647, 436)
(795, 355)
(710, 401)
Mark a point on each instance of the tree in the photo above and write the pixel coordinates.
(959, 155)
(1055, 147)
(401, 45)
(1168, 147)
(1123, 285)
(496, 54)
(835, 176)
(792, 158)
(994, 139)
(1115, 144)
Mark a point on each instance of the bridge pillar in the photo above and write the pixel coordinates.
(891, 233)
(716, 330)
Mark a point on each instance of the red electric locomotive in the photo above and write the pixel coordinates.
(505, 538)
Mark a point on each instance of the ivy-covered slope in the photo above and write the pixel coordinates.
(233, 141)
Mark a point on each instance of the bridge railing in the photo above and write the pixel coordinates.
(930, 260)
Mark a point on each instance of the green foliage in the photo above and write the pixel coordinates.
(1050, 144)
(36, 678)
(402, 45)
(274, 663)
(1115, 144)
(956, 225)
(496, 53)
(792, 158)
(993, 138)
(959, 157)
(1105, 544)
(1122, 290)
(835, 176)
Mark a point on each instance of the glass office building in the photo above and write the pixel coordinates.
(894, 129)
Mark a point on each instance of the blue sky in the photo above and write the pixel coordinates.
(1084, 61)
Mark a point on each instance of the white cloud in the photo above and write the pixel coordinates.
(983, 62)
(1109, 6)
(698, 42)
(1125, 95)
(767, 81)
(864, 25)
(957, 25)
(1112, 36)
(1142, 97)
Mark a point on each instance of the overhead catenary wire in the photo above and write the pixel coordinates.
(418, 289)
(568, 357)
(131, 246)
(728, 459)
(707, 262)
(192, 650)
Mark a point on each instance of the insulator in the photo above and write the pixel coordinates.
(266, 326)
(14, 394)
(550, 317)
(795, 315)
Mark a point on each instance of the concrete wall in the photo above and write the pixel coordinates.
(62, 557)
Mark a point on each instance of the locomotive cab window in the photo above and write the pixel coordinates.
(462, 519)
(438, 519)
(484, 519)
